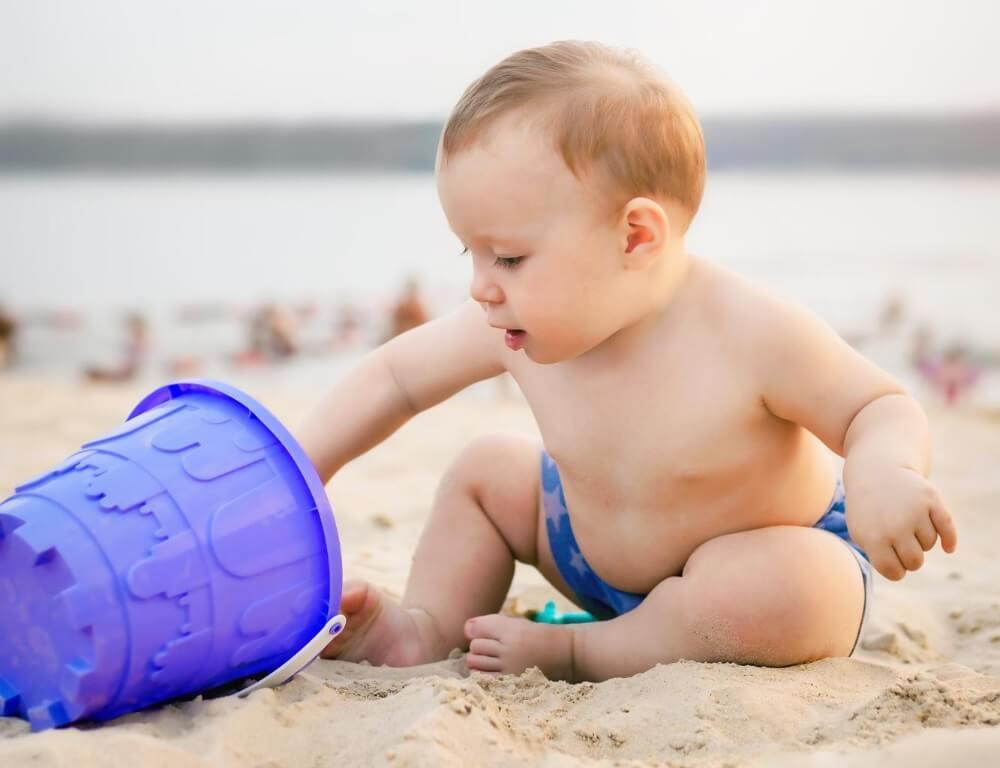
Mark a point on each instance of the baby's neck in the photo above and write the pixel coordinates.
(663, 300)
(673, 275)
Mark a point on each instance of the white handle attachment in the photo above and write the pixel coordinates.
(305, 656)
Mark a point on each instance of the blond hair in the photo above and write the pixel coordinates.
(606, 109)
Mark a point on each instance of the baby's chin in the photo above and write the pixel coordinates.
(538, 351)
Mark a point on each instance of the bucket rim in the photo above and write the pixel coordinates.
(328, 523)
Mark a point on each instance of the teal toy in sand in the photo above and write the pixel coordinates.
(549, 615)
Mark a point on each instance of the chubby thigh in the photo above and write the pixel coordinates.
(776, 595)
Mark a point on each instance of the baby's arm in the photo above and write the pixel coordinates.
(810, 376)
(394, 382)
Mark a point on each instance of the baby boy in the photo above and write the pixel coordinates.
(685, 492)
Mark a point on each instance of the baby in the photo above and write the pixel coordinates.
(685, 493)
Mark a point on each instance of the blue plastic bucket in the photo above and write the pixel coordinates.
(190, 547)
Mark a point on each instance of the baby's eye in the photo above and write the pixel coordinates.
(508, 262)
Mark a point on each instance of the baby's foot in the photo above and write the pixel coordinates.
(379, 630)
(506, 645)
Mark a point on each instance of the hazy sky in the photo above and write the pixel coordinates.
(182, 59)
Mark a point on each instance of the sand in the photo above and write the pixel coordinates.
(924, 690)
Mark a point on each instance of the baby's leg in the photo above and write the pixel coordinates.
(773, 596)
(485, 515)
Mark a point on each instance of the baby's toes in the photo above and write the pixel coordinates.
(484, 655)
(485, 646)
(477, 663)
(487, 627)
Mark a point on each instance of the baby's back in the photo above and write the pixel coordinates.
(669, 443)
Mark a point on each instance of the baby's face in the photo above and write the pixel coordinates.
(544, 250)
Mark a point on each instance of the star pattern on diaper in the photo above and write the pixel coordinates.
(577, 562)
(553, 511)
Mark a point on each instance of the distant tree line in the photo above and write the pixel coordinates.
(963, 142)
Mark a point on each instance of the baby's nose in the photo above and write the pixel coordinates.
(484, 290)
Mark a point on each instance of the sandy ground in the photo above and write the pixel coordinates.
(923, 691)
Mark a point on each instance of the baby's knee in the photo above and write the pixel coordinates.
(489, 458)
(718, 627)
(749, 620)
(500, 474)
(469, 463)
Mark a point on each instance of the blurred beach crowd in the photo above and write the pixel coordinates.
(227, 339)
(200, 339)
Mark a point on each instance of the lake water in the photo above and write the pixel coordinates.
(839, 244)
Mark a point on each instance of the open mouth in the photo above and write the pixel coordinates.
(514, 338)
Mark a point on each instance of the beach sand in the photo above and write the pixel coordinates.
(924, 689)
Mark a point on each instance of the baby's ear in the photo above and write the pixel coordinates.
(646, 227)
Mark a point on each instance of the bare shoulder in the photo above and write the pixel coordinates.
(749, 312)
(802, 369)
(739, 309)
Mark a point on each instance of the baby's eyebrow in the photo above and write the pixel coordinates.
(473, 234)
(486, 237)
(492, 238)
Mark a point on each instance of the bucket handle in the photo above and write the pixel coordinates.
(305, 656)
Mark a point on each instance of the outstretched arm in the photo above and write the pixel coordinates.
(394, 382)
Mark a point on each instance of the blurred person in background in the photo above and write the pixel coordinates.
(953, 373)
(271, 337)
(133, 355)
(347, 327)
(409, 310)
(8, 330)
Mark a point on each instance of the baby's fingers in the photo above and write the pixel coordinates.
(909, 553)
(944, 524)
(887, 562)
(926, 533)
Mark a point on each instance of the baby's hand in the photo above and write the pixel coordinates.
(895, 516)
